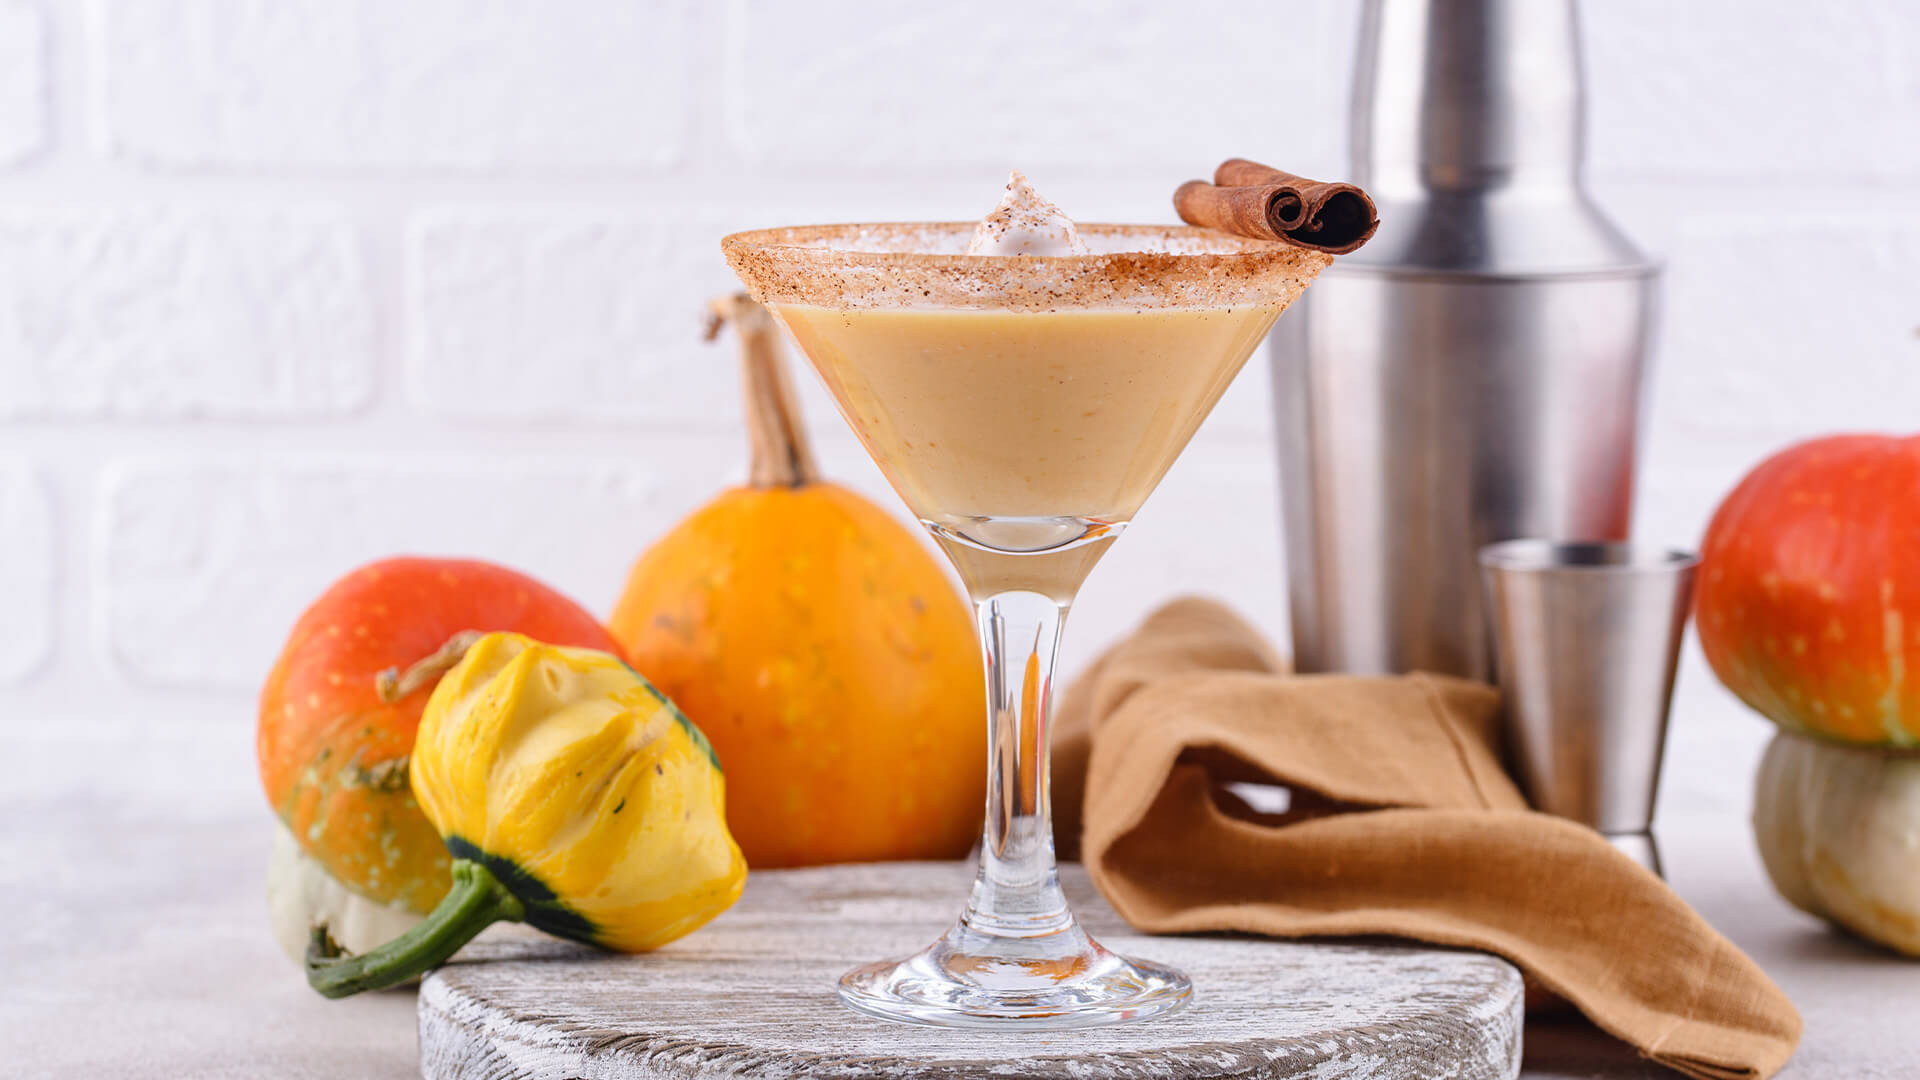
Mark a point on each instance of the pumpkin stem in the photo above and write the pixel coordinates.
(476, 901)
(782, 456)
(394, 684)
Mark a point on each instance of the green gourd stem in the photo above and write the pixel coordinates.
(476, 901)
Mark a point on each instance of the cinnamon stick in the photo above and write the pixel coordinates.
(1265, 203)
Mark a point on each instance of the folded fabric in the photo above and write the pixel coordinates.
(1401, 822)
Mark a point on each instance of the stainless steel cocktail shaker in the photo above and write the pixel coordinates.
(1474, 373)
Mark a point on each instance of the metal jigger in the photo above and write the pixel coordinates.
(1587, 642)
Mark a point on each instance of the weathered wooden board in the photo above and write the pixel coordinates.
(752, 996)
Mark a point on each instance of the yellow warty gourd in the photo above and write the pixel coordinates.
(563, 766)
(573, 796)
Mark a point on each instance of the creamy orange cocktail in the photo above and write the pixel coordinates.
(1026, 431)
(1024, 384)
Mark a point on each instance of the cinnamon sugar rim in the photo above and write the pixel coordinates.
(924, 264)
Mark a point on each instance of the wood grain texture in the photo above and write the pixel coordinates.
(752, 996)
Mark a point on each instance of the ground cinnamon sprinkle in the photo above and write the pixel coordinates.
(922, 265)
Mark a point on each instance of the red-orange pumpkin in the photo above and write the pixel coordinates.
(1808, 602)
(333, 753)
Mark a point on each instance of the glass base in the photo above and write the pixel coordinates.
(1062, 980)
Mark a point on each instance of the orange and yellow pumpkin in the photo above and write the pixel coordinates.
(821, 648)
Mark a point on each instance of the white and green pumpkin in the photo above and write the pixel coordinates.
(1838, 827)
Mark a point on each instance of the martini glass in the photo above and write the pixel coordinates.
(1023, 407)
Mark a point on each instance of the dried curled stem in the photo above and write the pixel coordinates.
(782, 456)
(394, 684)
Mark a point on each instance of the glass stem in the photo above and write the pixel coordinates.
(1016, 893)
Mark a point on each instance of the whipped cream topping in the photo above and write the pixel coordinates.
(1025, 224)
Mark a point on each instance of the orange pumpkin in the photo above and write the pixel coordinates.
(1808, 601)
(820, 646)
(334, 752)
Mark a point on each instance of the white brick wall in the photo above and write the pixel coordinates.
(286, 286)
(22, 82)
(144, 313)
(536, 85)
(938, 86)
(566, 314)
(1763, 90)
(1855, 334)
(27, 571)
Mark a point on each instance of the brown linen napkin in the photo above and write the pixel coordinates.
(1402, 823)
